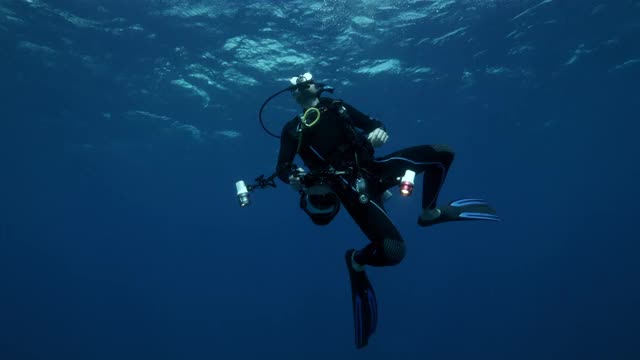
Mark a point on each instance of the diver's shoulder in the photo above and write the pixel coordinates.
(327, 101)
(290, 125)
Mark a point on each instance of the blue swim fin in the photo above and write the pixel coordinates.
(462, 210)
(365, 306)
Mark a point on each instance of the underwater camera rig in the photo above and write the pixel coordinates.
(243, 190)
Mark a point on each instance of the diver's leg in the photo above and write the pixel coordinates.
(433, 160)
(387, 247)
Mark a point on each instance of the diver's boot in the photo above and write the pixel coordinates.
(429, 215)
(354, 264)
(458, 210)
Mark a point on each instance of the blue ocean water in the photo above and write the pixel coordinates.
(125, 125)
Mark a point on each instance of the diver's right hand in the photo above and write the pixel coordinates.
(295, 179)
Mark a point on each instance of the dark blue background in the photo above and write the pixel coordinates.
(121, 240)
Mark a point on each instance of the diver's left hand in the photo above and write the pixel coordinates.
(378, 137)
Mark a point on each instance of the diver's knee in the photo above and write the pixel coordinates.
(445, 151)
(443, 148)
(394, 251)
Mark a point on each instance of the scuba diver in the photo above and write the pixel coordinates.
(336, 142)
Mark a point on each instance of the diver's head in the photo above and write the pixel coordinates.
(306, 91)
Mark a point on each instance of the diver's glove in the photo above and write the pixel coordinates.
(378, 137)
(295, 179)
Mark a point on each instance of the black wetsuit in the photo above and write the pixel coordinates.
(339, 140)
